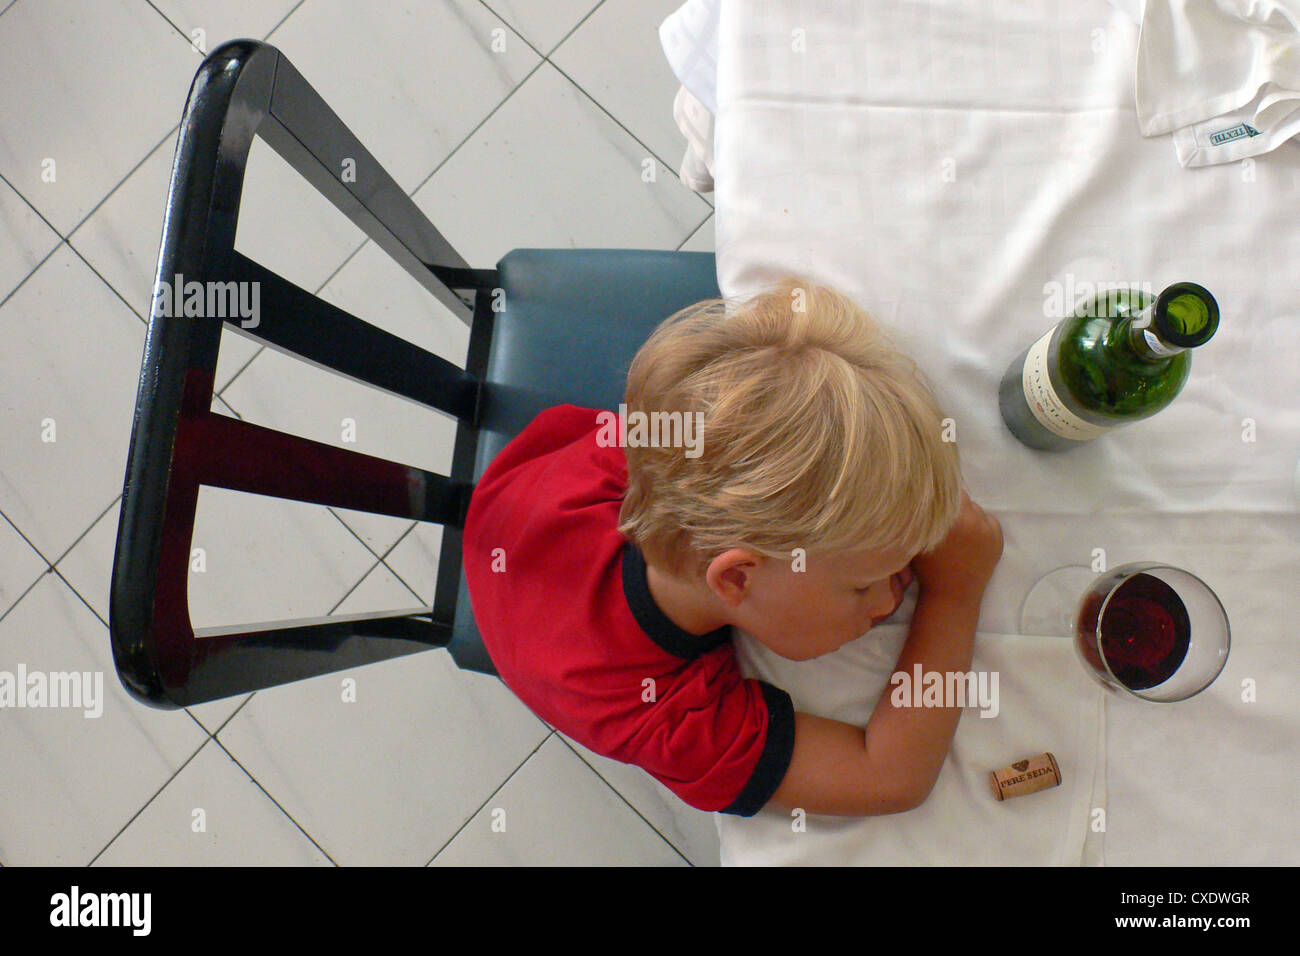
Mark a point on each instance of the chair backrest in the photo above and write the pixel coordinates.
(242, 89)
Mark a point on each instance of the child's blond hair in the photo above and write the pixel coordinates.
(818, 433)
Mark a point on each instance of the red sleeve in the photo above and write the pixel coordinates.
(720, 741)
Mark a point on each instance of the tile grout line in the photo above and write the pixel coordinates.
(702, 224)
(98, 518)
(622, 797)
(53, 568)
(229, 718)
(287, 814)
(546, 58)
(636, 139)
(189, 41)
(572, 30)
(168, 136)
(151, 799)
(26, 591)
(167, 20)
(488, 799)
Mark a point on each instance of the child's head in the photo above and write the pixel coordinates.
(824, 467)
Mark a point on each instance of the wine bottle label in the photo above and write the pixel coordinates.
(1046, 405)
(1156, 346)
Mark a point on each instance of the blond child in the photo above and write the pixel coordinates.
(607, 562)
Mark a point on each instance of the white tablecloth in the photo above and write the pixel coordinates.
(954, 168)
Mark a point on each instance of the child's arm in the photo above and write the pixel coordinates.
(892, 765)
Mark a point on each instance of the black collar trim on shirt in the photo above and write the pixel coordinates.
(657, 625)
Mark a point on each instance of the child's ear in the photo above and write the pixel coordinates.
(731, 574)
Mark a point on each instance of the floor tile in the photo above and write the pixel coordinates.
(20, 566)
(121, 238)
(97, 86)
(551, 170)
(25, 238)
(411, 80)
(543, 23)
(209, 23)
(212, 814)
(415, 559)
(702, 240)
(555, 811)
(633, 81)
(692, 832)
(213, 714)
(267, 559)
(73, 780)
(389, 778)
(373, 287)
(289, 227)
(70, 367)
(88, 565)
(379, 590)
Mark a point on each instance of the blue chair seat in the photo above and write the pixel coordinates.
(571, 323)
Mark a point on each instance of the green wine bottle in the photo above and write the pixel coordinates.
(1122, 356)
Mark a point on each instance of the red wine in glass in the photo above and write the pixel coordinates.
(1145, 631)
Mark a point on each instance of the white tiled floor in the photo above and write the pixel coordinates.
(540, 144)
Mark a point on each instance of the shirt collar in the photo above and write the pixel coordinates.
(657, 625)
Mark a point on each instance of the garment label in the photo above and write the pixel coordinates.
(1046, 404)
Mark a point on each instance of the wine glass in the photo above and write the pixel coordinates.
(1143, 630)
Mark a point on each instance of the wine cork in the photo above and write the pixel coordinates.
(1025, 776)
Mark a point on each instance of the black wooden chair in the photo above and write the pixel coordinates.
(569, 323)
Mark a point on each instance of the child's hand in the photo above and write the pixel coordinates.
(960, 567)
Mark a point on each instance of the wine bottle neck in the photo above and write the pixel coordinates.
(1182, 317)
(1145, 340)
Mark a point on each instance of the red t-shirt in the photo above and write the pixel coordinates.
(568, 620)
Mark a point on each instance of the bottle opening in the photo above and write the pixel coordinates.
(1186, 315)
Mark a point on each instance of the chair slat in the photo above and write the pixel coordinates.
(242, 456)
(292, 319)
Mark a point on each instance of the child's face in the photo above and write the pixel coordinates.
(803, 614)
